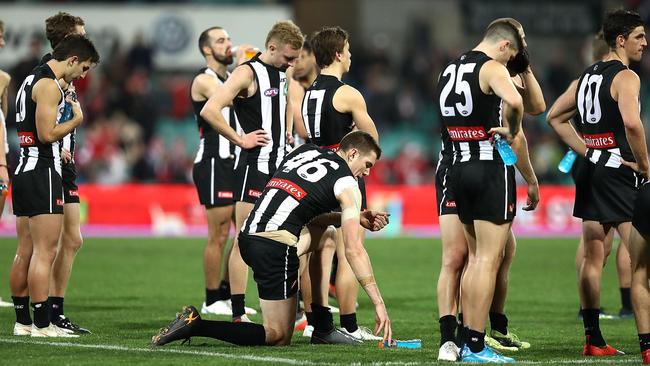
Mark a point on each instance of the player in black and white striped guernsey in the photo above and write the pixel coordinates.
(607, 99)
(331, 109)
(311, 182)
(471, 90)
(37, 191)
(258, 91)
(214, 166)
(58, 27)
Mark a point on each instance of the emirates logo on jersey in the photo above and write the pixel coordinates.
(73, 193)
(450, 204)
(467, 133)
(600, 141)
(224, 194)
(254, 193)
(271, 92)
(293, 189)
(26, 139)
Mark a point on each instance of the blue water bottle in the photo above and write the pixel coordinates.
(394, 343)
(567, 161)
(66, 115)
(505, 150)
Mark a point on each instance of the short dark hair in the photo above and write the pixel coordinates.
(58, 26)
(76, 45)
(620, 23)
(326, 43)
(204, 38)
(306, 46)
(361, 141)
(505, 29)
(2, 25)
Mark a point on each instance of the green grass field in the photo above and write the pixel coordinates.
(124, 290)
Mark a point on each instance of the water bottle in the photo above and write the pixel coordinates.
(66, 115)
(567, 161)
(505, 150)
(394, 343)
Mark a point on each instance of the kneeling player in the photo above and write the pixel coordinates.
(310, 184)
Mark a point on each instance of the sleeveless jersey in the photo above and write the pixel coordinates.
(325, 125)
(213, 145)
(33, 153)
(266, 109)
(68, 141)
(600, 119)
(468, 113)
(303, 187)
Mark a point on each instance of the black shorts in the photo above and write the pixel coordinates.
(70, 189)
(214, 179)
(613, 192)
(444, 199)
(250, 182)
(641, 217)
(484, 190)
(584, 207)
(37, 192)
(275, 266)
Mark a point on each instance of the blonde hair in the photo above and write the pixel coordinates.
(286, 32)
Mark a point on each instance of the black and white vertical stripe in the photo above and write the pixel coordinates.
(273, 113)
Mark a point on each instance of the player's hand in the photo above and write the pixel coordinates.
(374, 220)
(289, 138)
(635, 166)
(4, 174)
(382, 322)
(254, 139)
(504, 132)
(533, 197)
(77, 113)
(66, 156)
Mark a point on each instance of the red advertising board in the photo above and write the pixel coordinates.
(174, 210)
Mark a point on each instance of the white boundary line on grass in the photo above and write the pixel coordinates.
(290, 361)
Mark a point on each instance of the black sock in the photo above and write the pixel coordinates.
(592, 327)
(241, 334)
(238, 301)
(475, 340)
(224, 290)
(21, 306)
(349, 322)
(460, 331)
(499, 322)
(56, 306)
(626, 298)
(448, 327)
(644, 341)
(41, 314)
(212, 296)
(310, 318)
(323, 321)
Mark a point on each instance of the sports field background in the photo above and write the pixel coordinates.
(124, 290)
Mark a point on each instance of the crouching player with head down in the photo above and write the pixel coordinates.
(309, 185)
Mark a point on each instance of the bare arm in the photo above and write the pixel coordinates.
(236, 84)
(532, 95)
(297, 93)
(350, 200)
(559, 117)
(348, 100)
(497, 79)
(47, 96)
(626, 86)
(4, 86)
(288, 112)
